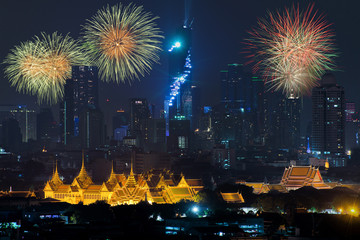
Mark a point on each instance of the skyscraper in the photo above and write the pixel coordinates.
(46, 127)
(350, 111)
(25, 116)
(282, 120)
(91, 127)
(179, 102)
(351, 127)
(292, 114)
(328, 123)
(11, 135)
(242, 106)
(81, 90)
(120, 124)
(139, 111)
(236, 88)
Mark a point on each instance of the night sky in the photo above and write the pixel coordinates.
(219, 28)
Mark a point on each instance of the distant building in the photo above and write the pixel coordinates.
(47, 131)
(81, 90)
(352, 127)
(236, 88)
(154, 135)
(120, 124)
(240, 115)
(328, 123)
(120, 133)
(139, 111)
(179, 134)
(292, 114)
(349, 111)
(91, 126)
(25, 116)
(224, 158)
(11, 135)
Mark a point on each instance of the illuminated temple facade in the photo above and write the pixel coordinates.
(153, 186)
(295, 177)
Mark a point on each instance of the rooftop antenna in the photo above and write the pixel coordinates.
(187, 14)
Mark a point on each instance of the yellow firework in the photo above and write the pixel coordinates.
(122, 41)
(40, 67)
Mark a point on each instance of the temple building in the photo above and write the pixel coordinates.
(232, 197)
(295, 177)
(152, 186)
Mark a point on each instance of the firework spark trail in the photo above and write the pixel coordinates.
(40, 67)
(292, 49)
(122, 41)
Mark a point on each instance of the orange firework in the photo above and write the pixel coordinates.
(41, 67)
(122, 41)
(293, 49)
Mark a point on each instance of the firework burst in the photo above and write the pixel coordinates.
(292, 49)
(122, 41)
(40, 67)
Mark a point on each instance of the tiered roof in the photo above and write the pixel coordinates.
(160, 186)
(295, 177)
(83, 179)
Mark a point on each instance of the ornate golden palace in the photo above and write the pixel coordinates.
(160, 186)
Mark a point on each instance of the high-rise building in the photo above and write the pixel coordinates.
(11, 135)
(292, 113)
(179, 102)
(81, 90)
(236, 88)
(349, 111)
(282, 121)
(352, 127)
(153, 135)
(242, 100)
(179, 134)
(46, 127)
(120, 124)
(91, 128)
(139, 111)
(328, 123)
(258, 90)
(25, 116)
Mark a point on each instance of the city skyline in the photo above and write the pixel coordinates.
(218, 33)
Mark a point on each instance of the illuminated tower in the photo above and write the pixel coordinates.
(179, 101)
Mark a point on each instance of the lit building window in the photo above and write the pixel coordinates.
(182, 143)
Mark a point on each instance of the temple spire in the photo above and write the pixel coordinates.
(83, 161)
(56, 177)
(131, 182)
(112, 178)
(83, 178)
(83, 172)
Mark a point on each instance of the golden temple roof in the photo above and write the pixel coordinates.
(299, 176)
(55, 179)
(232, 197)
(83, 178)
(131, 182)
